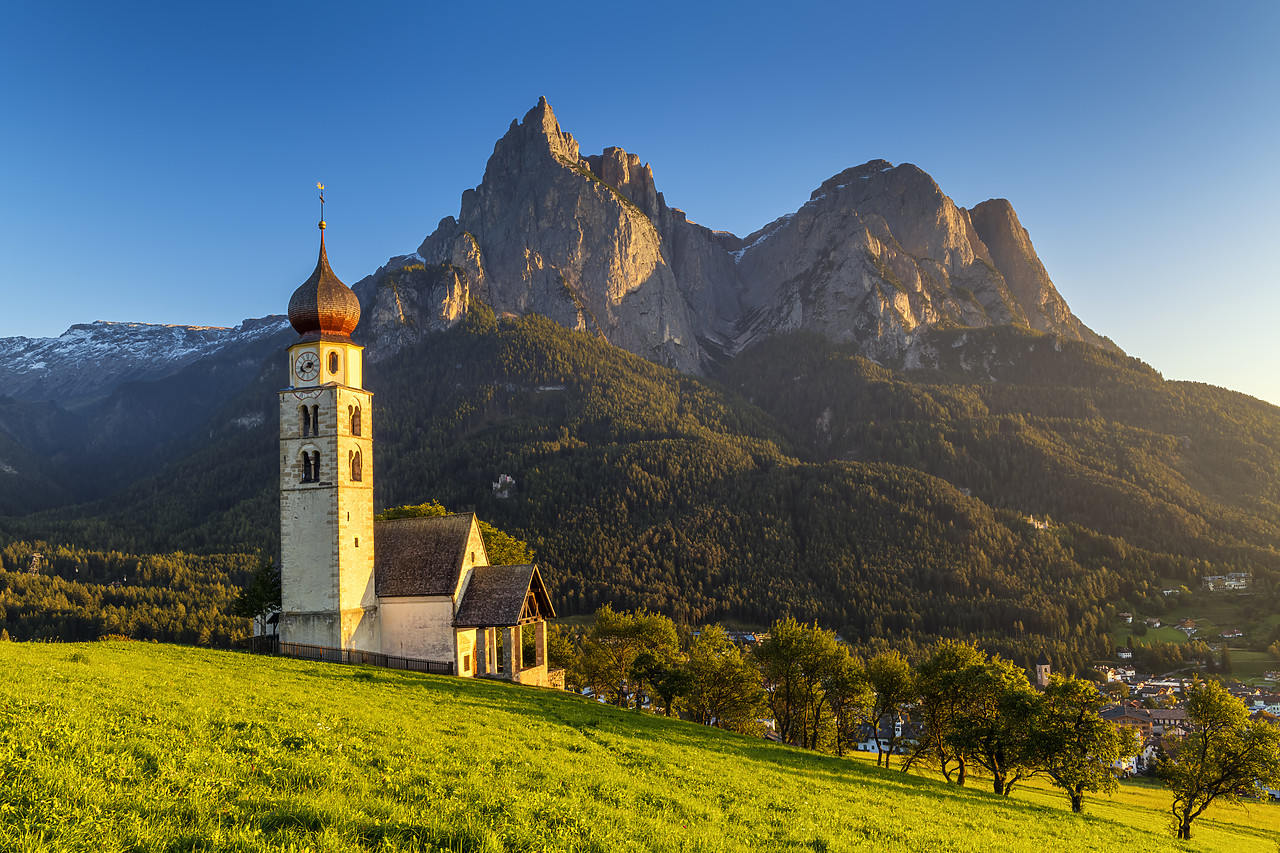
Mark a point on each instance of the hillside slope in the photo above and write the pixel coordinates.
(887, 506)
(144, 747)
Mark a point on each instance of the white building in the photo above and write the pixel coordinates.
(416, 590)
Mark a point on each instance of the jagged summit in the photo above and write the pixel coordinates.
(878, 254)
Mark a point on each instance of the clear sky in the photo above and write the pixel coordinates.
(158, 160)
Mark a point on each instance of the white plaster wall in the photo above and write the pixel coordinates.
(417, 627)
(466, 645)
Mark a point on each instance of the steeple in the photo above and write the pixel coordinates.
(323, 308)
(326, 473)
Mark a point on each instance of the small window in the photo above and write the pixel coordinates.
(306, 421)
(310, 466)
(473, 556)
(357, 541)
(333, 361)
(315, 420)
(357, 473)
(355, 420)
(315, 465)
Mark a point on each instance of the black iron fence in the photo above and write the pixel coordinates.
(270, 644)
(331, 655)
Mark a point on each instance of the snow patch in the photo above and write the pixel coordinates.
(249, 421)
(782, 222)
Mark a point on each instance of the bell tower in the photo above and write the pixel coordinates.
(326, 472)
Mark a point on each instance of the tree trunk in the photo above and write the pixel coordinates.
(1184, 829)
(960, 773)
(1077, 801)
(997, 782)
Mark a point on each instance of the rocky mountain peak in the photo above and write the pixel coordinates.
(877, 253)
(529, 143)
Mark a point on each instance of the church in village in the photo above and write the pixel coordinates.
(415, 592)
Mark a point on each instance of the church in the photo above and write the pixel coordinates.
(416, 593)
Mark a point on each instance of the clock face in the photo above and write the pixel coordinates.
(307, 367)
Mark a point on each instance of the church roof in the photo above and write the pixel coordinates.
(323, 308)
(420, 556)
(1043, 660)
(495, 597)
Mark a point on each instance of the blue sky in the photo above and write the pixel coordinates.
(159, 160)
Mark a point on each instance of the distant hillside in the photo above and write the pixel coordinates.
(145, 747)
(900, 515)
(875, 412)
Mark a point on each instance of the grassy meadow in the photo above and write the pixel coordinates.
(143, 747)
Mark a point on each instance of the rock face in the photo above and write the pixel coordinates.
(878, 253)
(1011, 250)
(544, 233)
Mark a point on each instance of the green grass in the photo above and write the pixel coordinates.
(1249, 666)
(139, 747)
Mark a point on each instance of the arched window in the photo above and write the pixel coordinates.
(357, 472)
(315, 465)
(355, 420)
(306, 468)
(315, 421)
(306, 421)
(333, 361)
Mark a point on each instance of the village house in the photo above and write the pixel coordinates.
(1131, 715)
(1239, 580)
(414, 593)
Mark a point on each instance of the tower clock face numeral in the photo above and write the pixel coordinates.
(307, 366)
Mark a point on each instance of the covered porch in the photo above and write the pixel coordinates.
(503, 605)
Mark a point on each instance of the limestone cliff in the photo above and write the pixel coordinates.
(543, 233)
(878, 253)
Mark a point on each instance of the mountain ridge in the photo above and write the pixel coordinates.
(877, 253)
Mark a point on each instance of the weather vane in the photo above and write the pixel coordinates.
(320, 187)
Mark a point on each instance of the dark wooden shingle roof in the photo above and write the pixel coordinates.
(420, 556)
(495, 597)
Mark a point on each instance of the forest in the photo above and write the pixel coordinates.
(72, 594)
(1019, 492)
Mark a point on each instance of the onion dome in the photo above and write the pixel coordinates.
(324, 308)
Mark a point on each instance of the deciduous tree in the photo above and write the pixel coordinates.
(891, 679)
(723, 688)
(940, 697)
(993, 727)
(794, 661)
(1071, 742)
(1224, 755)
(612, 644)
(261, 597)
